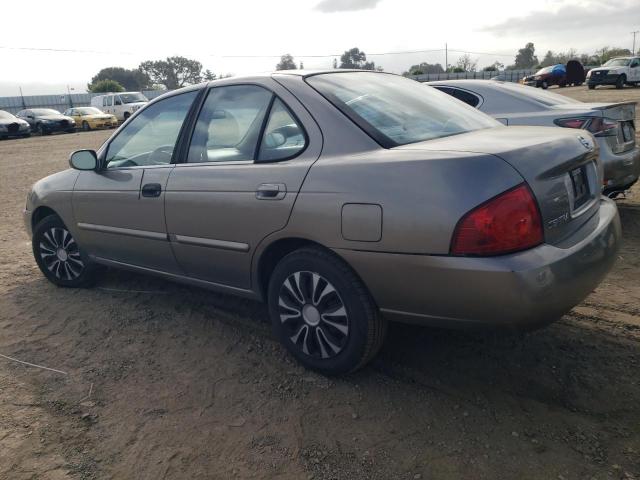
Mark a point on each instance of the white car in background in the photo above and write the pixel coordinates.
(612, 124)
(617, 71)
(122, 104)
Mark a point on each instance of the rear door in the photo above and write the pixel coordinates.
(251, 148)
(119, 210)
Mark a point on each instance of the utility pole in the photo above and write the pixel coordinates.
(24, 106)
(446, 57)
(633, 52)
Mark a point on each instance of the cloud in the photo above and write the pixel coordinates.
(584, 19)
(331, 6)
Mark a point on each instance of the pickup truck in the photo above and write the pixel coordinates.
(617, 71)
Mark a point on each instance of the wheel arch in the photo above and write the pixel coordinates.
(40, 213)
(277, 250)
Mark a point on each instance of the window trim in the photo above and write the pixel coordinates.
(274, 95)
(454, 88)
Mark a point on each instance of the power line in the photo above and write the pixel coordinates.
(404, 52)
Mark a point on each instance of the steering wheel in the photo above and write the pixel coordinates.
(163, 154)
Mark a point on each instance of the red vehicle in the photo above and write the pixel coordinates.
(547, 76)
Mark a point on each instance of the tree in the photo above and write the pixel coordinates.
(174, 72)
(423, 68)
(525, 58)
(494, 67)
(355, 59)
(606, 53)
(549, 59)
(129, 79)
(209, 75)
(466, 63)
(286, 63)
(105, 86)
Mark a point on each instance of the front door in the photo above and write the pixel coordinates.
(250, 151)
(119, 210)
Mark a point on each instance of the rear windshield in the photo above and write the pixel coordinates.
(395, 110)
(535, 94)
(45, 111)
(88, 111)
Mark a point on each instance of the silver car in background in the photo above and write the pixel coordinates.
(612, 124)
(344, 200)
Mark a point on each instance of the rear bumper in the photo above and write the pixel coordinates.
(620, 170)
(519, 291)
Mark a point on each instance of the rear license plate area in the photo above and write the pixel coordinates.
(580, 185)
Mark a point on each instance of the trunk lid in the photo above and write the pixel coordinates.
(560, 166)
(622, 137)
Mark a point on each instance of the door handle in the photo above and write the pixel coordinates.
(151, 190)
(271, 191)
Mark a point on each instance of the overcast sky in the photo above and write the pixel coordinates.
(223, 34)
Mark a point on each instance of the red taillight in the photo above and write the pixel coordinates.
(571, 122)
(597, 125)
(507, 223)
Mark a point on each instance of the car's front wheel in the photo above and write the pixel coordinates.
(544, 85)
(85, 126)
(322, 313)
(621, 81)
(59, 256)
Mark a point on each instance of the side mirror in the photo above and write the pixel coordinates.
(84, 160)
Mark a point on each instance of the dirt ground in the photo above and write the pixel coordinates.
(166, 381)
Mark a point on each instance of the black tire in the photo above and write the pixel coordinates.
(71, 130)
(70, 268)
(592, 87)
(126, 116)
(544, 85)
(308, 291)
(26, 135)
(85, 126)
(621, 81)
(42, 130)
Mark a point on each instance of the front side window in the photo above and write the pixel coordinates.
(395, 110)
(108, 100)
(229, 125)
(116, 100)
(149, 139)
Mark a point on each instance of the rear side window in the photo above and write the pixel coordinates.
(229, 124)
(283, 136)
(467, 97)
(245, 123)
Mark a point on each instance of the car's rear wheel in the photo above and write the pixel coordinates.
(322, 313)
(42, 130)
(58, 255)
(85, 126)
(621, 81)
(591, 87)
